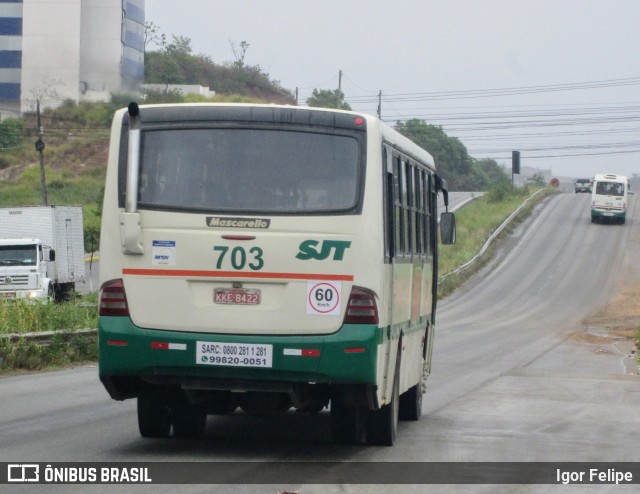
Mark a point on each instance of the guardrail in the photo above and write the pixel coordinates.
(44, 337)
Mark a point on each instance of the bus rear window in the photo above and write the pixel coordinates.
(610, 188)
(236, 170)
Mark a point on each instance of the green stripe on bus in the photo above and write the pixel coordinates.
(346, 356)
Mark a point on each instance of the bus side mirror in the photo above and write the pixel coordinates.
(448, 228)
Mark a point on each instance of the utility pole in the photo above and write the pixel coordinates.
(40, 149)
(339, 89)
(296, 96)
(380, 105)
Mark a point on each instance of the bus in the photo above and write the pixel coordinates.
(263, 258)
(609, 198)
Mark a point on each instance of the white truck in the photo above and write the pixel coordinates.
(41, 252)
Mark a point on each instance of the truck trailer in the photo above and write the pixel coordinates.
(41, 252)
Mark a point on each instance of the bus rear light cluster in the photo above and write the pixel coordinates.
(361, 308)
(113, 301)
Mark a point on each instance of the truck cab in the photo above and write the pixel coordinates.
(23, 269)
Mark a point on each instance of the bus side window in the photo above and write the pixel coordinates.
(415, 212)
(398, 222)
(420, 212)
(431, 198)
(388, 202)
(406, 225)
(411, 208)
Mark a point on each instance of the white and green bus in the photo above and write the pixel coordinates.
(609, 198)
(265, 258)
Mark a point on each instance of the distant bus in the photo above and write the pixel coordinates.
(265, 258)
(609, 198)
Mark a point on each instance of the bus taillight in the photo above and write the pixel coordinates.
(113, 301)
(361, 308)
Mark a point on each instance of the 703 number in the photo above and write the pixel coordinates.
(240, 258)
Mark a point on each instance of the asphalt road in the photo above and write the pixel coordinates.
(457, 200)
(509, 382)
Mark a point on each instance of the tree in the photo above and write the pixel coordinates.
(460, 170)
(537, 178)
(326, 98)
(160, 68)
(239, 53)
(152, 35)
(11, 130)
(494, 172)
(46, 91)
(180, 45)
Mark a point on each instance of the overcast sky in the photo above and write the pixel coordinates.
(558, 80)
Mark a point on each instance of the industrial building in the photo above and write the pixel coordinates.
(82, 50)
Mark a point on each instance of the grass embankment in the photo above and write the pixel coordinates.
(475, 224)
(63, 348)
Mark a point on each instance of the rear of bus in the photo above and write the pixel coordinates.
(609, 198)
(239, 260)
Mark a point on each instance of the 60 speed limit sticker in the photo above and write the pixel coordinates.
(323, 298)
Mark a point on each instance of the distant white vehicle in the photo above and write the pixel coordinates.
(583, 185)
(609, 198)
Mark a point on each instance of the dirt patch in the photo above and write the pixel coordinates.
(13, 173)
(613, 329)
(593, 339)
(620, 318)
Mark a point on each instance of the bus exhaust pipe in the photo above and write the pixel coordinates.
(130, 230)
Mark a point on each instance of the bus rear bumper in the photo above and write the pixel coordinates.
(607, 213)
(130, 357)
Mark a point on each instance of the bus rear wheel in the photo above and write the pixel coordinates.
(382, 426)
(348, 424)
(154, 414)
(411, 402)
(189, 420)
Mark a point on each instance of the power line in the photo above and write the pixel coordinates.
(486, 93)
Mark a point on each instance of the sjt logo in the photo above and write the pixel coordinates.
(309, 250)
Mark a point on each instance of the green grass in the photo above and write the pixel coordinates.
(18, 317)
(63, 348)
(65, 187)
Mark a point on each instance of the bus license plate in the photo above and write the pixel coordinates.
(234, 354)
(236, 296)
(7, 294)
